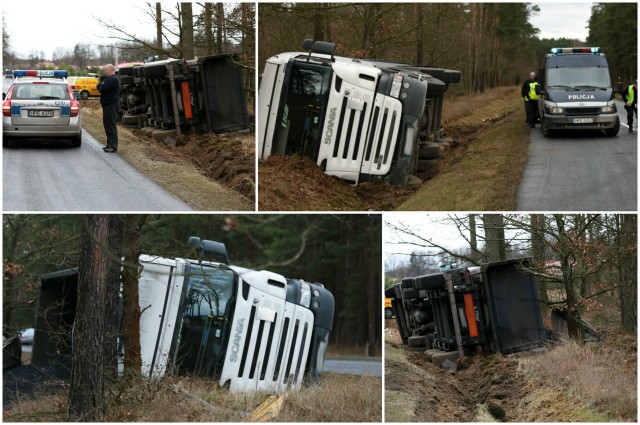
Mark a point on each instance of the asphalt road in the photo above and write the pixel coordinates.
(354, 367)
(581, 171)
(50, 175)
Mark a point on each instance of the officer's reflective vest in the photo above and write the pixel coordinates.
(532, 91)
(630, 94)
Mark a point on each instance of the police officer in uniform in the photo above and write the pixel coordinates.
(630, 97)
(529, 93)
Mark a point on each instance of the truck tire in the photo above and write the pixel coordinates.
(612, 132)
(429, 151)
(130, 120)
(388, 313)
(431, 282)
(409, 294)
(126, 79)
(417, 341)
(155, 70)
(125, 70)
(427, 164)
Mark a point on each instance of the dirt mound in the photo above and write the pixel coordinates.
(297, 183)
(227, 159)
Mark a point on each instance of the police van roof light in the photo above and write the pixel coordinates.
(40, 73)
(557, 50)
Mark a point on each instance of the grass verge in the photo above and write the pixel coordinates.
(170, 171)
(335, 398)
(482, 175)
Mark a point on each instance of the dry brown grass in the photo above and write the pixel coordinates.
(461, 106)
(335, 398)
(599, 376)
(176, 175)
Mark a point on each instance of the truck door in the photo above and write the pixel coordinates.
(160, 291)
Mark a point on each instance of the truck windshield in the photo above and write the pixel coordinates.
(579, 77)
(205, 321)
(302, 110)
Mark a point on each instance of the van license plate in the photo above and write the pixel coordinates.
(40, 113)
(583, 120)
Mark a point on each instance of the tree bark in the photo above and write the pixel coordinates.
(86, 401)
(628, 261)
(186, 10)
(219, 26)
(537, 248)
(131, 299)
(158, 26)
(208, 28)
(495, 245)
(112, 296)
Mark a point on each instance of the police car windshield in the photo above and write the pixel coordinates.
(30, 91)
(210, 288)
(579, 77)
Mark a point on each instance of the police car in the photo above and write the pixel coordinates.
(40, 104)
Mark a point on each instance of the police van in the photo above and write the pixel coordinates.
(252, 330)
(357, 119)
(40, 104)
(576, 92)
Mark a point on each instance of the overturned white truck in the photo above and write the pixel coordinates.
(359, 120)
(253, 330)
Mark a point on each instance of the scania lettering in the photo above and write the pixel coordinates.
(576, 92)
(253, 330)
(359, 120)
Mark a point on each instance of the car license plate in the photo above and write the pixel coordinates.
(33, 113)
(583, 120)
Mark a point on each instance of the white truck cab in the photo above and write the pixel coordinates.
(357, 119)
(251, 330)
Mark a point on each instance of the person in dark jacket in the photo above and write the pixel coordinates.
(109, 88)
(529, 93)
(630, 97)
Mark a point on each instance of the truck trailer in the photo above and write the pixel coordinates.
(251, 330)
(357, 119)
(491, 308)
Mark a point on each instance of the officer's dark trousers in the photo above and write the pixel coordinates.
(531, 109)
(109, 121)
(630, 111)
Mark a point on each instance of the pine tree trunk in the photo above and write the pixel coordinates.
(112, 295)
(186, 10)
(131, 299)
(86, 384)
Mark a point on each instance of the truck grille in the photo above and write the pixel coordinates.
(348, 147)
(582, 111)
(273, 354)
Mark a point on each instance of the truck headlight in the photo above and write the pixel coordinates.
(609, 109)
(305, 294)
(396, 85)
(554, 109)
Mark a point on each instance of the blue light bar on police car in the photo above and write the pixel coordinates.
(40, 73)
(557, 50)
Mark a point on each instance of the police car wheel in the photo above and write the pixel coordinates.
(76, 141)
(546, 132)
(612, 132)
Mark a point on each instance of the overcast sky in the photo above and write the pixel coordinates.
(43, 26)
(568, 20)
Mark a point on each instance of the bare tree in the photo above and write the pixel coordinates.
(158, 26)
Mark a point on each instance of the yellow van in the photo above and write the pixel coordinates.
(83, 87)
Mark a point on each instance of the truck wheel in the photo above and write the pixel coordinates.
(84, 95)
(417, 341)
(429, 151)
(130, 120)
(76, 141)
(388, 314)
(546, 131)
(125, 70)
(126, 79)
(612, 132)
(427, 164)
